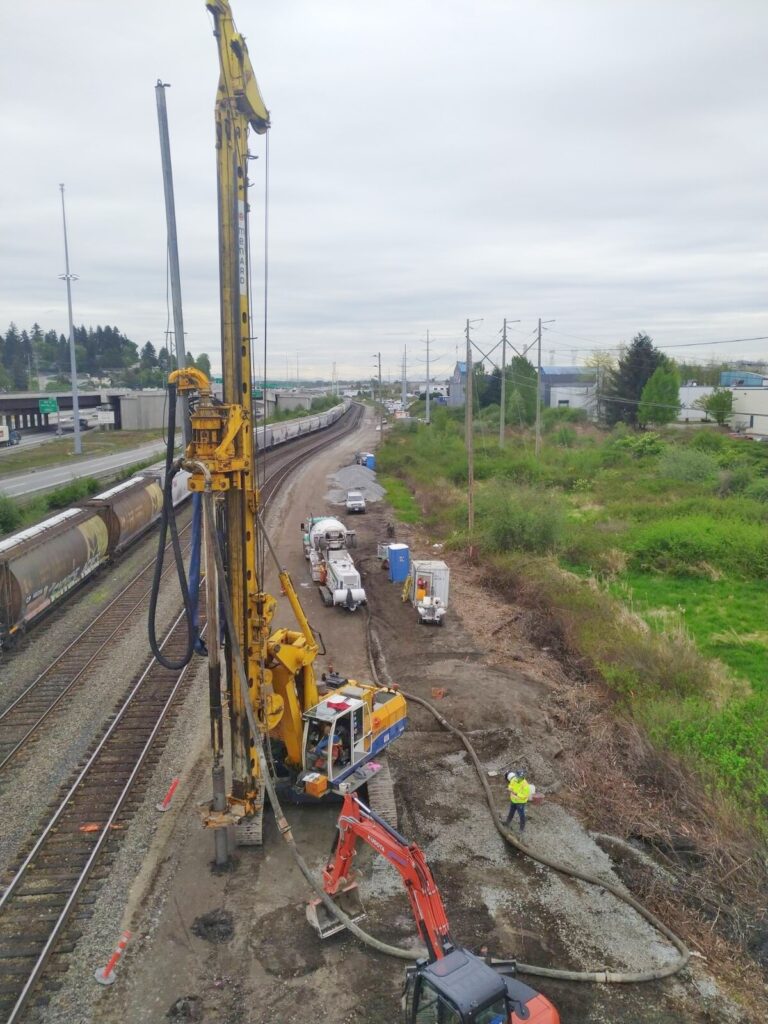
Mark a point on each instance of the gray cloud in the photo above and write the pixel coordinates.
(601, 163)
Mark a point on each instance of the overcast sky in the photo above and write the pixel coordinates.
(602, 163)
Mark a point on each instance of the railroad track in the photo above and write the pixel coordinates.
(24, 716)
(21, 719)
(41, 891)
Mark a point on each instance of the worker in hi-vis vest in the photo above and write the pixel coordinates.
(519, 794)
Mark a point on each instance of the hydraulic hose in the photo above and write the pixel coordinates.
(282, 823)
(286, 832)
(168, 519)
(604, 975)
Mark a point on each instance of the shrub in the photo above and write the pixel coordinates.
(512, 519)
(67, 495)
(686, 546)
(639, 444)
(734, 481)
(565, 437)
(553, 418)
(10, 516)
(687, 464)
(757, 489)
(708, 441)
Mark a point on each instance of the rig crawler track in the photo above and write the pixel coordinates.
(39, 897)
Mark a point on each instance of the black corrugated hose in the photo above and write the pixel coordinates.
(168, 519)
(603, 975)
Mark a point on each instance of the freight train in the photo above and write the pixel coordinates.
(278, 433)
(39, 566)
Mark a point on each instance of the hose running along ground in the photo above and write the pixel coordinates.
(282, 823)
(603, 975)
(419, 953)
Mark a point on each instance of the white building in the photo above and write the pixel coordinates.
(689, 395)
(750, 411)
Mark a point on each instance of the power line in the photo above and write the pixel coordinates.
(686, 344)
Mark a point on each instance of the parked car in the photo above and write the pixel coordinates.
(355, 501)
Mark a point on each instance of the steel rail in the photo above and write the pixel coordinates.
(79, 672)
(106, 829)
(271, 485)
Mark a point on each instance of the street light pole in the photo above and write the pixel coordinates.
(69, 278)
(173, 251)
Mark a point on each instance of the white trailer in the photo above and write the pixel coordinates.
(326, 541)
(341, 586)
(428, 586)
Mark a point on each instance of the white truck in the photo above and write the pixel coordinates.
(355, 501)
(326, 542)
(427, 590)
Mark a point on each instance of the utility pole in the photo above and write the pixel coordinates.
(381, 402)
(538, 386)
(469, 440)
(69, 278)
(538, 391)
(404, 385)
(173, 251)
(428, 387)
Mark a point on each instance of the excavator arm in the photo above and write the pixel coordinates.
(357, 821)
(454, 986)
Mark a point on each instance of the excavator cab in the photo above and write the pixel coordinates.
(461, 988)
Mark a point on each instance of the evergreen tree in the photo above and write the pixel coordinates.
(148, 359)
(660, 400)
(204, 363)
(62, 355)
(625, 384)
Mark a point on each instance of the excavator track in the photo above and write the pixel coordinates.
(381, 793)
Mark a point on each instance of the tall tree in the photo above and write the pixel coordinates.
(521, 391)
(718, 405)
(660, 400)
(624, 385)
(148, 358)
(204, 363)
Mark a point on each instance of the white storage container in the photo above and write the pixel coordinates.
(434, 577)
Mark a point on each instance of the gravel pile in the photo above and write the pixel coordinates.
(354, 478)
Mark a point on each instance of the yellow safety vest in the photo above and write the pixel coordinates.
(519, 791)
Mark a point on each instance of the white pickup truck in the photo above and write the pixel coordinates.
(355, 501)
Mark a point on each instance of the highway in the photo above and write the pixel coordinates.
(24, 484)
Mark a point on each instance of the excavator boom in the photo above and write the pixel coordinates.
(454, 986)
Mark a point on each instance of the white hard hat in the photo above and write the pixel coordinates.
(510, 775)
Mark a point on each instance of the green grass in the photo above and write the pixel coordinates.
(61, 449)
(401, 498)
(728, 619)
(673, 525)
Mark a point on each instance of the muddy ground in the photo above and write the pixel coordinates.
(225, 948)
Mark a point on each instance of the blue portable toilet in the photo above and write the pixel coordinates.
(399, 562)
(370, 461)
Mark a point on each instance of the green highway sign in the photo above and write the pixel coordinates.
(48, 404)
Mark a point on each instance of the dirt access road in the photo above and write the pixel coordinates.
(236, 947)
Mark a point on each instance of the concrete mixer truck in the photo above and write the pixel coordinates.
(326, 542)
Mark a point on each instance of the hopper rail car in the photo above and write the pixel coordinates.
(42, 565)
(64, 858)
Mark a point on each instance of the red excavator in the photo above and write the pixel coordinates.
(453, 985)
